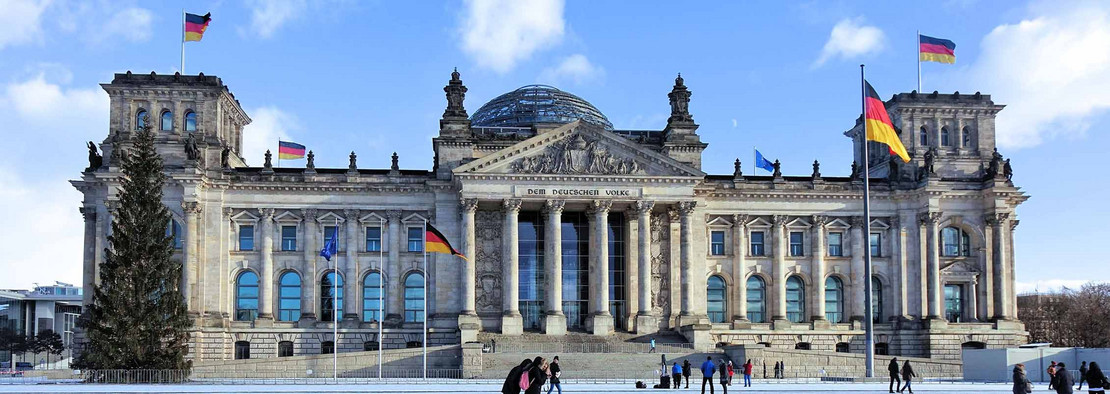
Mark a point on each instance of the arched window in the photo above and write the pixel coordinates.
(945, 138)
(842, 347)
(327, 347)
(246, 296)
(956, 242)
(834, 299)
(330, 300)
(289, 297)
(414, 297)
(966, 134)
(285, 348)
(715, 298)
(756, 291)
(795, 299)
(371, 291)
(167, 121)
(190, 121)
(802, 346)
(876, 300)
(924, 136)
(242, 350)
(140, 119)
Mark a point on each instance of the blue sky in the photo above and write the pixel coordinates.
(367, 76)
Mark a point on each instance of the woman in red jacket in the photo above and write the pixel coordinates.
(748, 373)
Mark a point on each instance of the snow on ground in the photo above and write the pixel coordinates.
(491, 387)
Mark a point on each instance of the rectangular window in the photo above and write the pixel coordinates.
(329, 232)
(836, 244)
(796, 246)
(953, 303)
(416, 239)
(288, 238)
(717, 243)
(757, 243)
(373, 239)
(174, 230)
(246, 237)
(876, 244)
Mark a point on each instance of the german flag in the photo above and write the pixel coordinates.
(879, 128)
(938, 50)
(195, 25)
(435, 242)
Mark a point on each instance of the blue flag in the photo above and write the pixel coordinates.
(332, 246)
(762, 162)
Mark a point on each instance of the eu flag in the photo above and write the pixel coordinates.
(331, 247)
(763, 163)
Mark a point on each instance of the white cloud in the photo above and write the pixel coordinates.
(268, 124)
(132, 24)
(1049, 285)
(39, 100)
(734, 123)
(850, 38)
(270, 15)
(497, 34)
(46, 234)
(1051, 70)
(21, 21)
(575, 68)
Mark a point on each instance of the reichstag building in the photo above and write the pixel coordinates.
(572, 225)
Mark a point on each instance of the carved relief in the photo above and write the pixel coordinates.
(576, 155)
(660, 265)
(488, 261)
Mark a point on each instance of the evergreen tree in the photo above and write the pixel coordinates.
(138, 319)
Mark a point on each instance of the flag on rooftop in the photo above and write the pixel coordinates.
(195, 25)
(290, 150)
(934, 49)
(762, 162)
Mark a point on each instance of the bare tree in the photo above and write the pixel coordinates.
(1069, 317)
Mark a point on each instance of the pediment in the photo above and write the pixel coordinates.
(579, 149)
(960, 267)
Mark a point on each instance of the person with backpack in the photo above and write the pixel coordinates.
(895, 381)
(553, 370)
(686, 370)
(707, 369)
(907, 375)
(731, 372)
(512, 382)
(1096, 381)
(536, 377)
(748, 373)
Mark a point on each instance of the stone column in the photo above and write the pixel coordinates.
(972, 301)
(740, 268)
(395, 304)
(818, 269)
(935, 295)
(88, 264)
(266, 276)
(468, 207)
(689, 274)
(1011, 292)
(859, 247)
(778, 270)
(601, 320)
(999, 223)
(308, 274)
(554, 321)
(901, 293)
(189, 268)
(352, 300)
(511, 321)
(645, 322)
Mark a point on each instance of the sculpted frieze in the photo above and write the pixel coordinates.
(576, 155)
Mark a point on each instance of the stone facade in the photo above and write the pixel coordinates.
(641, 231)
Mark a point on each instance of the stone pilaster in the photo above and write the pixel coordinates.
(818, 269)
(739, 268)
(352, 301)
(859, 247)
(394, 290)
(511, 321)
(189, 284)
(308, 279)
(601, 320)
(932, 252)
(266, 276)
(999, 223)
(778, 271)
(973, 301)
(554, 321)
(645, 322)
(88, 258)
(688, 272)
(469, 324)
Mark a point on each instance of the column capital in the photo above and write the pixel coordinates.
(554, 206)
(996, 219)
(685, 208)
(819, 220)
(858, 222)
(266, 213)
(928, 218)
(113, 206)
(672, 214)
(779, 220)
(600, 206)
(1014, 224)
(309, 214)
(191, 207)
(393, 215)
(643, 206)
(468, 204)
(740, 220)
(896, 222)
(89, 213)
(351, 215)
(511, 205)
(229, 212)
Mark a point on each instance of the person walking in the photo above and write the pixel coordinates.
(1096, 381)
(1083, 376)
(512, 382)
(553, 370)
(731, 372)
(782, 369)
(537, 376)
(1062, 380)
(1051, 375)
(686, 370)
(676, 376)
(895, 382)
(1021, 383)
(652, 350)
(707, 369)
(723, 369)
(907, 376)
(748, 373)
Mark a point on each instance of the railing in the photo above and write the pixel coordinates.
(601, 347)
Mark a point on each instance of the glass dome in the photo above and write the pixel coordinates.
(532, 104)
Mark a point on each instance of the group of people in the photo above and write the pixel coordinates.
(531, 375)
(725, 369)
(1061, 381)
(898, 375)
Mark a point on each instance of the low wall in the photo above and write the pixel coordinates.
(640, 366)
(998, 364)
(821, 364)
(351, 364)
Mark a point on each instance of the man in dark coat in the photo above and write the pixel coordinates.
(1062, 380)
(895, 382)
(553, 370)
(686, 369)
(512, 382)
(1083, 375)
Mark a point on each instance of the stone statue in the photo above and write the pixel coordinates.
(893, 171)
(1008, 171)
(225, 157)
(736, 172)
(268, 163)
(994, 169)
(191, 151)
(777, 173)
(456, 93)
(816, 170)
(95, 159)
(311, 163)
(680, 102)
(930, 158)
(394, 166)
(576, 155)
(855, 171)
(354, 158)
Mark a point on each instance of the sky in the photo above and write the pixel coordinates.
(367, 76)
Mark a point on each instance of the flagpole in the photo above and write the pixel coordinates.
(869, 339)
(425, 248)
(917, 55)
(381, 291)
(279, 152)
(183, 41)
(334, 305)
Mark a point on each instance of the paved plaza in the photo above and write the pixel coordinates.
(491, 387)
